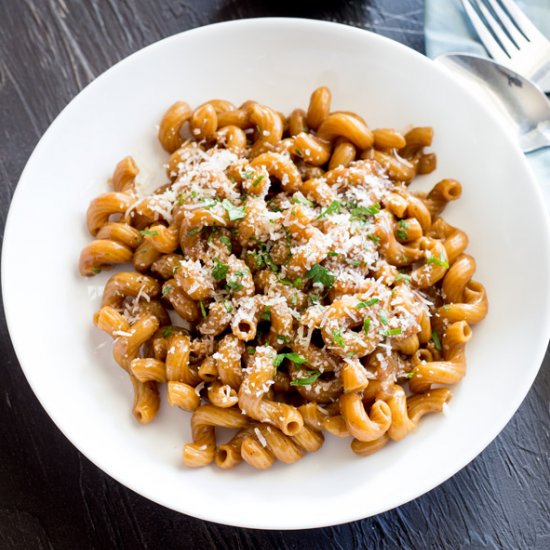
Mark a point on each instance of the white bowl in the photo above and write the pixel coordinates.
(279, 62)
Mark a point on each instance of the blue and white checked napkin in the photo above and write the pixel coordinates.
(447, 30)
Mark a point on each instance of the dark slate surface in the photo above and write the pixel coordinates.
(53, 497)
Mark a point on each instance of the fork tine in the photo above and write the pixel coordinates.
(491, 45)
(525, 25)
(507, 45)
(504, 20)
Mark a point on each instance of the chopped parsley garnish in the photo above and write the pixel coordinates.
(320, 274)
(167, 331)
(219, 271)
(402, 277)
(436, 340)
(266, 314)
(338, 339)
(298, 152)
(148, 232)
(392, 332)
(250, 350)
(314, 299)
(375, 239)
(383, 316)
(228, 306)
(299, 198)
(203, 309)
(166, 290)
(179, 202)
(363, 211)
(306, 381)
(402, 227)
(234, 286)
(283, 339)
(410, 374)
(257, 181)
(332, 208)
(297, 282)
(96, 270)
(438, 261)
(224, 239)
(194, 231)
(263, 257)
(332, 253)
(294, 299)
(248, 175)
(355, 263)
(368, 303)
(446, 307)
(366, 325)
(234, 212)
(296, 358)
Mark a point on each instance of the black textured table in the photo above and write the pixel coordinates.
(53, 497)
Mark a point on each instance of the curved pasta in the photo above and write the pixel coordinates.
(287, 280)
(256, 384)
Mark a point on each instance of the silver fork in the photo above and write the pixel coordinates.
(511, 38)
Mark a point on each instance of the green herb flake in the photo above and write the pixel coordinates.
(234, 212)
(297, 282)
(332, 208)
(332, 253)
(299, 198)
(248, 175)
(438, 261)
(149, 233)
(298, 152)
(355, 263)
(338, 339)
(320, 274)
(283, 339)
(167, 331)
(96, 270)
(402, 227)
(446, 307)
(410, 374)
(224, 239)
(203, 309)
(375, 239)
(314, 299)
(219, 271)
(179, 201)
(368, 303)
(296, 358)
(436, 340)
(166, 290)
(383, 316)
(266, 314)
(392, 332)
(257, 181)
(294, 299)
(194, 231)
(402, 277)
(250, 350)
(228, 306)
(363, 211)
(234, 286)
(306, 381)
(366, 325)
